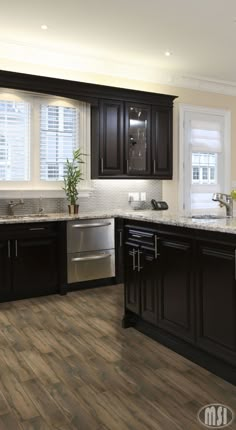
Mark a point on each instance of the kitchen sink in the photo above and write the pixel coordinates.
(208, 216)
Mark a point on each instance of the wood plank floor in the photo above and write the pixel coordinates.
(66, 363)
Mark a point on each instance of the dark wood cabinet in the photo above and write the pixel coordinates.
(29, 260)
(35, 270)
(132, 139)
(162, 147)
(137, 139)
(149, 276)
(5, 270)
(111, 117)
(132, 279)
(119, 250)
(216, 299)
(176, 313)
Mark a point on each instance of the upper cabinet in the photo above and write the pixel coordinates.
(137, 139)
(132, 139)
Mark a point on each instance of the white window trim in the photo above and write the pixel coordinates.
(183, 108)
(33, 188)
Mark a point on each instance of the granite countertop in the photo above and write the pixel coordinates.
(225, 225)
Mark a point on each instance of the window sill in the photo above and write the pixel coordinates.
(46, 193)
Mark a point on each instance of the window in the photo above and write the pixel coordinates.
(37, 135)
(204, 156)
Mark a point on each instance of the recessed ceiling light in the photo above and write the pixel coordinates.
(168, 53)
(44, 27)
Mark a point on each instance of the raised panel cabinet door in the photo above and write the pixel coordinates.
(176, 310)
(216, 300)
(162, 146)
(35, 267)
(111, 138)
(137, 139)
(149, 287)
(132, 279)
(5, 270)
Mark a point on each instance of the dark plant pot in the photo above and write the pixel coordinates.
(73, 209)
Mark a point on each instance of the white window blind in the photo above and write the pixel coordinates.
(206, 135)
(14, 140)
(59, 136)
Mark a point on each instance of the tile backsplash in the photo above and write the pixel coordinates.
(106, 195)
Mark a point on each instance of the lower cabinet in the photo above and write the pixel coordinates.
(5, 270)
(29, 264)
(216, 299)
(35, 270)
(184, 285)
(176, 313)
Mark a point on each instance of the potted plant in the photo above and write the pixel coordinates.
(72, 178)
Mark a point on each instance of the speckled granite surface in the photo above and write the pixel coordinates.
(226, 225)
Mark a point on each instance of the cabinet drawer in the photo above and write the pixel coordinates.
(90, 235)
(142, 237)
(86, 266)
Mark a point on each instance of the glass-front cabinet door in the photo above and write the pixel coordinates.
(137, 139)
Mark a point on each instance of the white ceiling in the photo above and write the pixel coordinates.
(124, 36)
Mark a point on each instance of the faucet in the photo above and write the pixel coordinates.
(41, 208)
(224, 200)
(11, 206)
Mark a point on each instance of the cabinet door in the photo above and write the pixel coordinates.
(35, 268)
(137, 132)
(176, 287)
(5, 268)
(162, 142)
(111, 138)
(149, 286)
(132, 279)
(216, 300)
(119, 245)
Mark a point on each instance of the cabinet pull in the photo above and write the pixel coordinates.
(121, 239)
(9, 249)
(16, 248)
(102, 164)
(154, 166)
(36, 228)
(157, 254)
(134, 252)
(139, 267)
(91, 225)
(91, 257)
(127, 165)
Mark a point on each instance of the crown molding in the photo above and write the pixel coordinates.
(15, 53)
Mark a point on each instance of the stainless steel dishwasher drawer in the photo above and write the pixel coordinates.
(85, 266)
(90, 235)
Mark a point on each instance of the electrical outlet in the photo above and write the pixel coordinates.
(133, 197)
(143, 197)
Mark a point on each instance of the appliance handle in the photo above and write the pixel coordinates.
(95, 224)
(92, 257)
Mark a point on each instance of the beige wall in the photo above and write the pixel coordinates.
(187, 96)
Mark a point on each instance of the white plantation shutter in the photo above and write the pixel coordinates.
(14, 140)
(59, 135)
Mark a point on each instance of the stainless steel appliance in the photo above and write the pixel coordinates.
(90, 250)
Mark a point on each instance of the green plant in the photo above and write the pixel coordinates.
(73, 176)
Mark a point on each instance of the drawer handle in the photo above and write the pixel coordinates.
(36, 228)
(95, 224)
(9, 248)
(92, 257)
(137, 235)
(157, 254)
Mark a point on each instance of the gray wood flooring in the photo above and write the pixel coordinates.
(66, 363)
